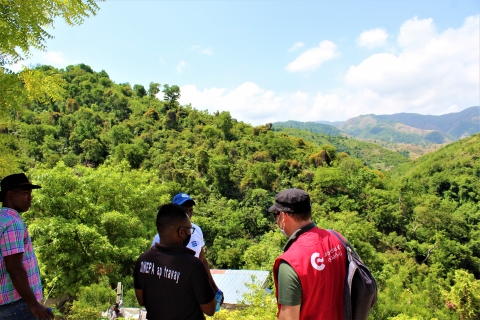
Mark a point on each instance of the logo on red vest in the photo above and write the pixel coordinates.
(317, 262)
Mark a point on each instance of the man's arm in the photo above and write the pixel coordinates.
(139, 294)
(289, 312)
(205, 262)
(289, 292)
(209, 308)
(18, 274)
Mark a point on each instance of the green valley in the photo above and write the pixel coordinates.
(108, 154)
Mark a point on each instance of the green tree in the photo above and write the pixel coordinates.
(92, 151)
(171, 94)
(139, 90)
(153, 89)
(225, 123)
(464, 296)
(24, 24)
(84, 232)
(91, 300)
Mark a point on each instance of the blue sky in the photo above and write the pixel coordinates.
(267, 61)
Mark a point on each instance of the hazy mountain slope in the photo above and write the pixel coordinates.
(414, 128)
(369, 128)
(309, 126)
(331, 123)
(459, 124)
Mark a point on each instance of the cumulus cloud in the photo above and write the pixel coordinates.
(248, 102)
(313, 58)
(430, 72)
(296, 46)
(416, 32)
(181, 64)
(373, 38)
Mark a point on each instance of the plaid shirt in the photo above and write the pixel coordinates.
(14, 239)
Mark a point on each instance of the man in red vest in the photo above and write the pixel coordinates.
(310, 274)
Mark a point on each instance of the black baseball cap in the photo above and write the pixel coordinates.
(292, 200)
(15, 181)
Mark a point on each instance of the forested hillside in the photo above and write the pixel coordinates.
(371, 154)
(108, 154)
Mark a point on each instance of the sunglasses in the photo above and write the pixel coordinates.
(276, 214)
(192, 229)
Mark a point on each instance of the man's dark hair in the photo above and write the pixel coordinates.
(301, 216)
(188, 203)
(170, 215)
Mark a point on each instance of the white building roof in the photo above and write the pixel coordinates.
(234, 283)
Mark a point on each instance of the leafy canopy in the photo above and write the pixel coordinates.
(24, 24)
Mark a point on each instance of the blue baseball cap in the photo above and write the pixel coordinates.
(181, 198)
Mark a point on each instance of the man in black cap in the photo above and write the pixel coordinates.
(169, 280)
(309, 276)
(20, 284)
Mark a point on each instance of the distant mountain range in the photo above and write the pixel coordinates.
(414, 128)
(400, 128)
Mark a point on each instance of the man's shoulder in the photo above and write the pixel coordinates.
(197, 227)
(6, 213)
(198, 234)
(155, 252)
(8, 217)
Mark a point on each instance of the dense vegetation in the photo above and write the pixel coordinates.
(370, 154)
(108, 154)
(308, 126)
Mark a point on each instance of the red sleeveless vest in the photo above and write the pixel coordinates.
(319, 260)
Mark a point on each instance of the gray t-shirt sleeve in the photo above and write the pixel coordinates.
(289, 286)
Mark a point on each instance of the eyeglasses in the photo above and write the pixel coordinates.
(192, 229)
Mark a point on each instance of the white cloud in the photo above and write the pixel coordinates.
(373, 38)
(16, 67)
(182, 64)
(51, 58)
(431, 72)
(208, 51)
(296, 46)
(416, 32)
(248, 102)
(313, 58)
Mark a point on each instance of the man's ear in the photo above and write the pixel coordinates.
(287, 216)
